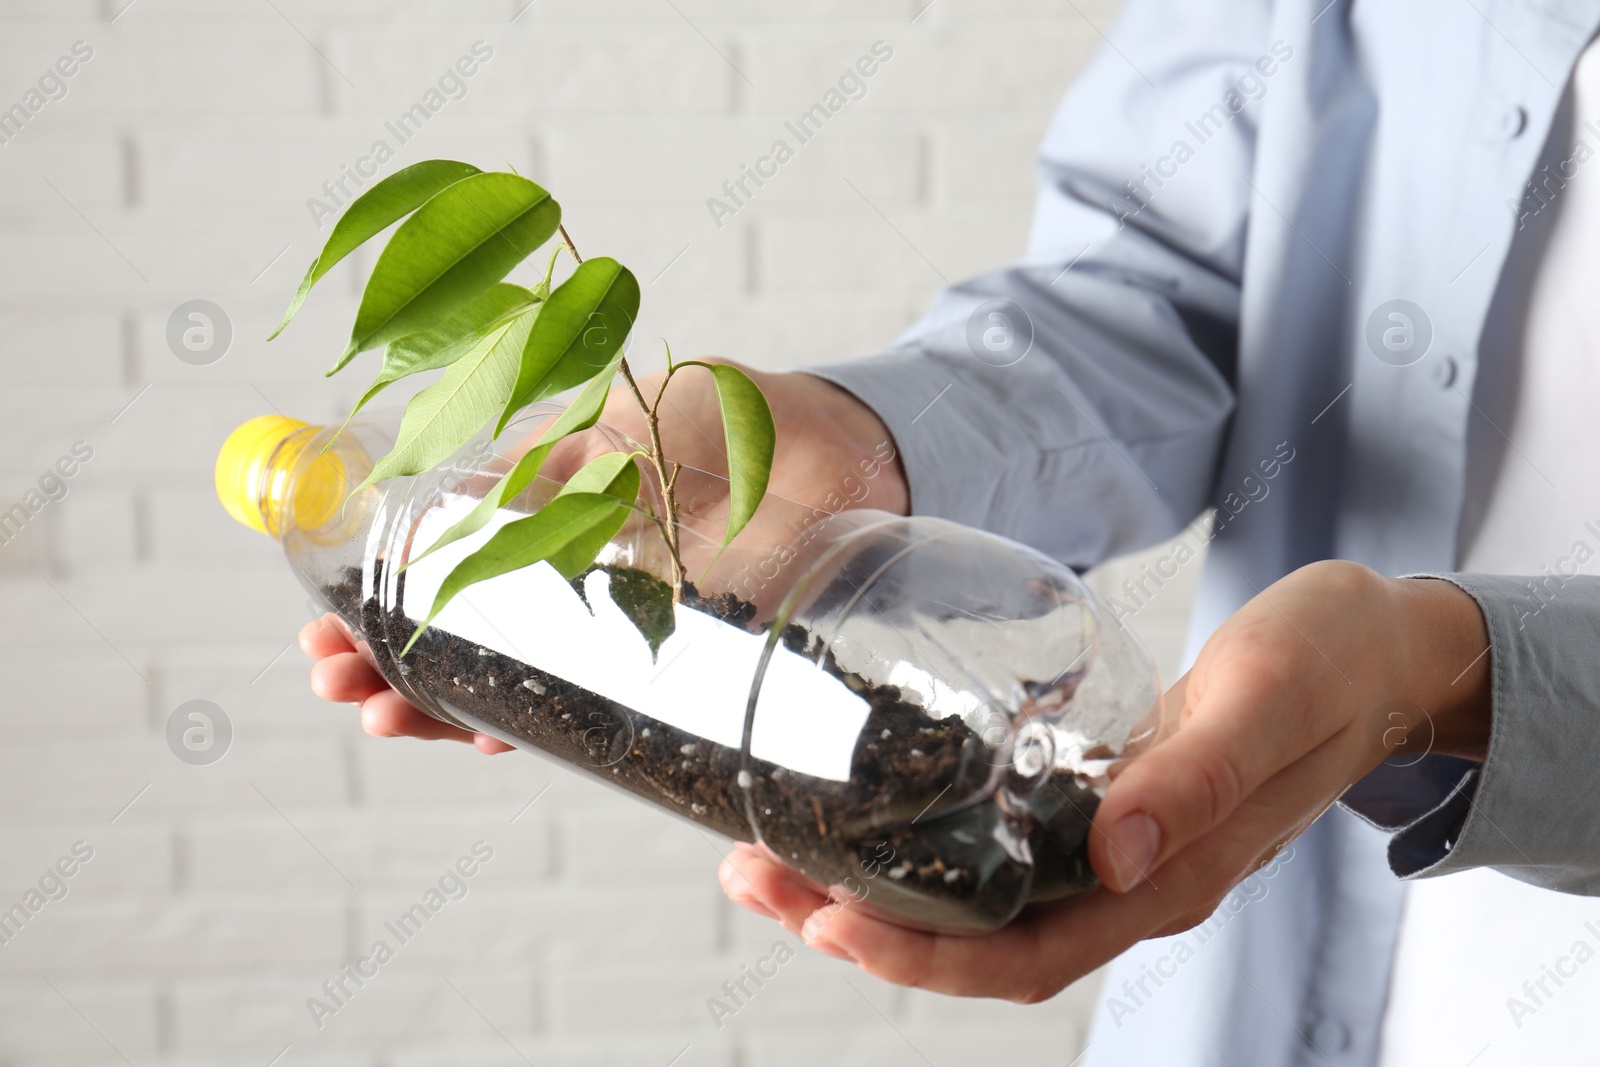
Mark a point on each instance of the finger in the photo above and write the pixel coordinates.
(345, 678)
(738, 885)
(1046, 950)
(1003, 964)
(1043, 952)
(750, 876)
(387, 714)
(1229, 741)
(320, 638)
(490, 745)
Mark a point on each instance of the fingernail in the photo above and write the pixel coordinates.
(1134, 842)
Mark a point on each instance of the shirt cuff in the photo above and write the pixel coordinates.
(941, 468)
(1530, 810)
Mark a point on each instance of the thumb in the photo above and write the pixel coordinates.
(1220, 752)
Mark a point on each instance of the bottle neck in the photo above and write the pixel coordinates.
(303, 483)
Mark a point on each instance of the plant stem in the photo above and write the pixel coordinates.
(562, 229)
(666, 477)
(666, 470)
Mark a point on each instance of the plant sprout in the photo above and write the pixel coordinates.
(437, 300)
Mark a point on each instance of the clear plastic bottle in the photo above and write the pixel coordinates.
(915, 714)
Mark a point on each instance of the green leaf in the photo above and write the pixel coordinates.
(619, 480)
(581, 414)
(463, 240)
(645, 600)
(522, 544)
(374, 211)
(601, 473)
(751, 439)
(454, 337)
(583, 325)
(445, 415)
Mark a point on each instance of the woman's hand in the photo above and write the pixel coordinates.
(342, 675)
(833, 452)
(1292, 700)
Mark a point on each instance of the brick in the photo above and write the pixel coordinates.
(759, 330)
(308, 15)
(172, 432)
(135, 606)
(42, 348)
(377, 851)
(633, 846)
(37, 1021)
(263, 1053)
(53, 12)
(551, 69)
(97, 527)
(506, 926)
(602, 162)
(51, 162)
(991, 160)
(898, 251)
(284, 367)
(400, 1002)
(734, 15)
(105, 698)
(126, 858)
(622, 1051)
(155, 936)
(141, 67)
(932, 70)
(913, 1046)
(28, 544)
(404, 773)
(265, 686)
(39, 425)
(641, 994)
(285, 162)
(165, 255)
(674, 252)
(188, 523)
(100, 777)
(1085, 13)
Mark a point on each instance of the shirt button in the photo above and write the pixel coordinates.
(1330, 1035)
(1511, 122)
(1443, 372)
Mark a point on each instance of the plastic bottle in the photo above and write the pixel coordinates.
(918, 716)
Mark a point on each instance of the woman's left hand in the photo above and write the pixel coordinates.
(1297, 696)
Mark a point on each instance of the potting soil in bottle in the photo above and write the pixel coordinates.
(914, 714)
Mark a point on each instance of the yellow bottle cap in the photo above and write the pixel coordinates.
(253, 467)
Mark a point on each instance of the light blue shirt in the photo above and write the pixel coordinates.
(1234, 197)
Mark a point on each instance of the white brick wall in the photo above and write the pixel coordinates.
(177, 167)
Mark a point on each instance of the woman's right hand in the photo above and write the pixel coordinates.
(833, 452)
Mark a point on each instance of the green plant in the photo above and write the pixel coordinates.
(436, 299)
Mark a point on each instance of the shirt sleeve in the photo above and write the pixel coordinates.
(1529, 809)
(1078, 399)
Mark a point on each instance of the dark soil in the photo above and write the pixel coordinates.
(882, 834)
